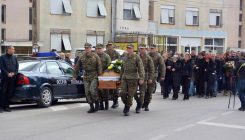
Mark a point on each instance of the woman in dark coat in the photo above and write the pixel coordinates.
(186, 76)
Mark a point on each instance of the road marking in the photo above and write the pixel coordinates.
(227, 113)
(82, 105)
(222, 125)
(208, 119)
(58, 108)
(159, 137)
(184, 128)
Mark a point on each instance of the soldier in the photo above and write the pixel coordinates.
(114, 55)
(92, 67)
(105, 61)
(132, 74)
(145, 94)
(159, 66)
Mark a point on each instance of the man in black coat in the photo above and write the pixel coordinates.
(9, 68)
(199, 75)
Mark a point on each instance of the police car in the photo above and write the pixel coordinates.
(46, 81)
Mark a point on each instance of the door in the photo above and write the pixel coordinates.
(57, 78)
(74, 87)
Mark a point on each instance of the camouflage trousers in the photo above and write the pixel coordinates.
(103, 95)
(129, 88)
(91, 90)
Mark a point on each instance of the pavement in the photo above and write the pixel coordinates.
(195, 119)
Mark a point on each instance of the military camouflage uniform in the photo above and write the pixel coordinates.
(92, 67)
(132, 71)
(105, 61)
(160, 69)
(113, 93)
(145, 94)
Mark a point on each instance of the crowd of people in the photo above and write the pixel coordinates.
(204, 74)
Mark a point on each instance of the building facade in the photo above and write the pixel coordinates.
(197, 25)
(16, 26)
(67, 24)
(174, 25)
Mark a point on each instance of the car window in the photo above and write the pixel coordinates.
(43, 68)
(28, 65)
(67, 68)
(53, 68)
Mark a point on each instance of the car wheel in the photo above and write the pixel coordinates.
(45, 97)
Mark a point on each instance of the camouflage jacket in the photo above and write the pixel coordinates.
(105, 60)
(148, 67)
(160, 68)
(113, 54)
(132, 67)
(91, 65)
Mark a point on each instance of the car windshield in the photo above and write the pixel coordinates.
(28, 66)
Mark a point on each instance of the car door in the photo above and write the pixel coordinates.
(57, 78)
(74, 87)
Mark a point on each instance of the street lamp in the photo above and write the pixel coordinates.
(34, 27)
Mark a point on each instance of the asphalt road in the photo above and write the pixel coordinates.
(196, 119)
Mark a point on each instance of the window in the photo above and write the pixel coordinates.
(30, 35)
(167, 15)
(131, 10)
(240, 31)
(53, 68)
(96, 8)
(28, 66)
(3, 13)
(95, 39)
(171, 44)
(43, 68)
(215, 45)
(67, 68)
(239, 44)
(30, 1)
(60, 42)
(61, 7)
(192, 16)
(240, 17)
(3, 37)
(30, 15)
(215, 18)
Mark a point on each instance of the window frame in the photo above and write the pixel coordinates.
(168, 8)
(64, 13)
(132, 11)
(192, 10)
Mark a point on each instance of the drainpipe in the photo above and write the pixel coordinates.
(113, 19)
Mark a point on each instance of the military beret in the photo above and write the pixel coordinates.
(87, 45)
(99, 45)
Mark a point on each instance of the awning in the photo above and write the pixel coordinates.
(67, 6)
(66, 42)
(102, 9)
(137, 12)
(192, 42)
(19, 43)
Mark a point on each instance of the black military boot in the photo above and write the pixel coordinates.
(146, 106)
(126, 110)
(91, 110)
(143, 106)
(97, 105)
(102, 106)
(106, 105)
(115, 104)
(138, 107)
